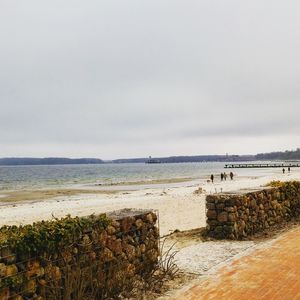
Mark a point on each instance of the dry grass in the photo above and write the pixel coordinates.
(199, 191)
(186, 238)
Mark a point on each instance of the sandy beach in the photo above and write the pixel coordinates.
(178, 206)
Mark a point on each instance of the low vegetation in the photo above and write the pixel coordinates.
(275, 183)
(96, 257)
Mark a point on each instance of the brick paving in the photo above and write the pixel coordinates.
(271, 273)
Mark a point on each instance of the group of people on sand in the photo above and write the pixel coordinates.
(223, 177)
(283, 170)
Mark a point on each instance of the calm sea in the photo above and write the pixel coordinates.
(56, 176)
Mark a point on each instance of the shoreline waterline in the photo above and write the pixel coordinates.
(17, 196)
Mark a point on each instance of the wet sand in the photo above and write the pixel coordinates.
(147, 182)
(41, 195)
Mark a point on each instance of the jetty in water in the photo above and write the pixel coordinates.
(263, 165)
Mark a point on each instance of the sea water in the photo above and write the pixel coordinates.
(59, 176)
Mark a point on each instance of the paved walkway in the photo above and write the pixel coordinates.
(270, 273)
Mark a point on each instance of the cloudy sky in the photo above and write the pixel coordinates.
(115, 79)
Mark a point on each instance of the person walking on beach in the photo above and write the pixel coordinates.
(231, 175)
(289, 169)
(225, 176)
(222, 176)
(283, 170)
(212, 178)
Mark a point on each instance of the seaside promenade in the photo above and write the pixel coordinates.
(269, 273)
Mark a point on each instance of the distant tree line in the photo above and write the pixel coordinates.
(286, 155)
(129, 160)
(14, 161)
(206, 158)
(196, 158)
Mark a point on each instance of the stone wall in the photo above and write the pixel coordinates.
(77, 258)
(239, 215)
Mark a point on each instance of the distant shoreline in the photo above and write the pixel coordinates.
(293, 155)
(26, 161)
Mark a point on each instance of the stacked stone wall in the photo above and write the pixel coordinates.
(96, 258)
(240, 215)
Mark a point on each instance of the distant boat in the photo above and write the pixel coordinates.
(153, 161)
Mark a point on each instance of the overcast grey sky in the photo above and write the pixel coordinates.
(114, 79)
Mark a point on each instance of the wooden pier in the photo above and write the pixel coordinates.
(262, 165)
